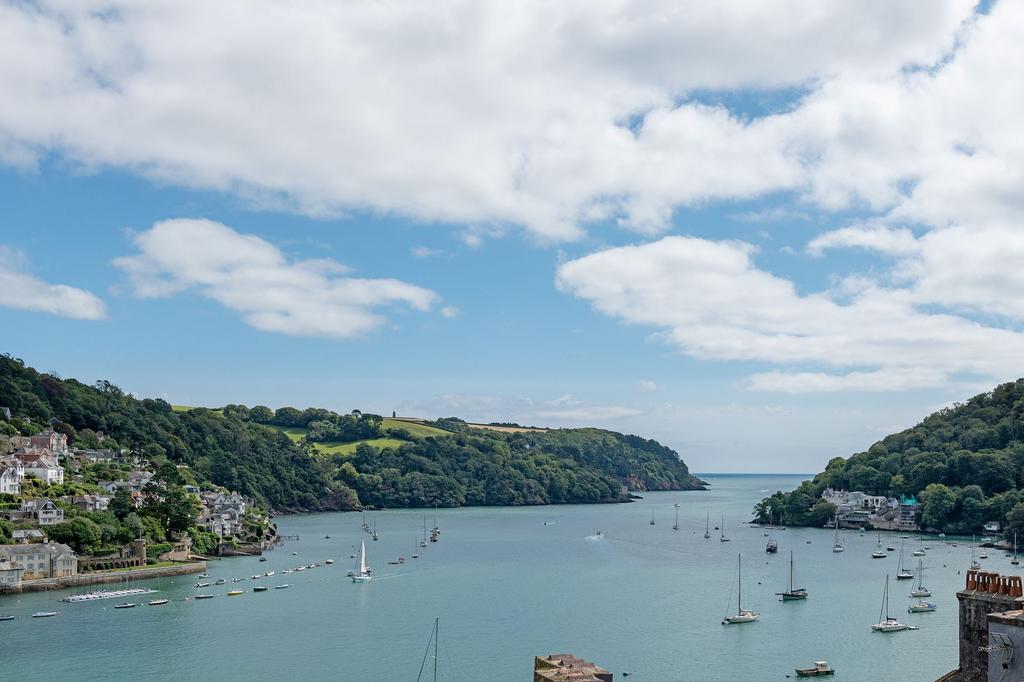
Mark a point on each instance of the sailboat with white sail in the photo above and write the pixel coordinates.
(362, 573)
(888, 623)
(742, 615)
(707, 526)
(793, 593)
(722, 537)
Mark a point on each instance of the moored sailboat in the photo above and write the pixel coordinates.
(920, 590)
(675, 526)
(793, 593)
(902, 572)
(707, 526)
(888, 624)
(742, 615)
(836, 545)
(722, 537)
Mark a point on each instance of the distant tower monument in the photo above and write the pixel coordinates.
(393, 414)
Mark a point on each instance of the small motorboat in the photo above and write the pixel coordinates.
(327, 537)
(261, 588)
(45, 614)
(890, 548)
(221, 581)
(263, 558)
(287, 570)
(158, 602)
(921, 607)
(198, 585)
(772, 547)
(269, 573)
(204, 596)
(878, 554)
(235, 593)
(295, 554)
(126, 605)
(982, 555)
(282, 587)
(256, 577)
(6, 618)
(236, 580)
(204, 575)
(820, 669)
(329, 561)
(917, 552)
(393, 563)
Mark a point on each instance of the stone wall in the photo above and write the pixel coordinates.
(105, 578)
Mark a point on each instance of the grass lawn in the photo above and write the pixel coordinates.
(181, 408)
(414, 429)
(296, 433)
(349, 448)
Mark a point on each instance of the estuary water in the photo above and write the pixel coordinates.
(512, 583)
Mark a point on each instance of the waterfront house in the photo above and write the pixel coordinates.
(908, 513)
(10, 574)
(42, 560)
(113, 486)
(54, 441)
(991, 527)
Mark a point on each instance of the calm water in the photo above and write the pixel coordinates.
(644, 599)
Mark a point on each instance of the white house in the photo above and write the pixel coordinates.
(41, 464)
(10, 481)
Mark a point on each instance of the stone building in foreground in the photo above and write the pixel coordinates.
(991, 629)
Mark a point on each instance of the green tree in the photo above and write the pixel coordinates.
(82, 534)
(121, 504)
(939, 502)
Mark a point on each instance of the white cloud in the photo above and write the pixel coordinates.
(252, 277)
(881, 238)
(425, 252)
(450, 311)
(649, 385)
(25, 291)
(710, 300)
(483, 115)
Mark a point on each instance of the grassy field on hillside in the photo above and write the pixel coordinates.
(349, 448)
(415, 428)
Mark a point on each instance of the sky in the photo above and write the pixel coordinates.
(765, 234)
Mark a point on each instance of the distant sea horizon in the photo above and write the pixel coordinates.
(738, 474)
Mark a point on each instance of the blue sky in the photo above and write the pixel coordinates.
(763, 257)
